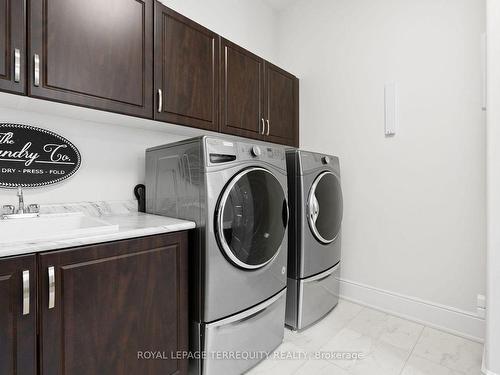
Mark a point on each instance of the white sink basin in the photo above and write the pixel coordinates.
(48, 227)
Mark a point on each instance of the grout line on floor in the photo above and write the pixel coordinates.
(412, 349)
(341, 327)
(347, 321)
(460, 372)
(355, 315)
(298, 368)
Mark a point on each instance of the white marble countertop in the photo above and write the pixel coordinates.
(131, 224)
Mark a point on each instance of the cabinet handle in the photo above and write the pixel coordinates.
(268, 127)
(36, 68)
(17, 65)
(160, 101)
(52, 288)
(26, 292)
(263, 127)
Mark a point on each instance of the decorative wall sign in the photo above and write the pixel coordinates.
(32, 157)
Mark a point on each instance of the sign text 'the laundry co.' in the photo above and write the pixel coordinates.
(32, 157)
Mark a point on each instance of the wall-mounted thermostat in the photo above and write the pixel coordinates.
(391, 108)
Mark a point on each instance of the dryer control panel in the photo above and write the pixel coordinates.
(311, 162)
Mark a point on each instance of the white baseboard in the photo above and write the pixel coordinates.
(483, 366)
(445, 318)
(487, 372)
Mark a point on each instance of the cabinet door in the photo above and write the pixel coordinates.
(242, 83)
(18, 316)
(103, 306)
(12, 46)
(186, 71)
(282, 106)
(93, 53)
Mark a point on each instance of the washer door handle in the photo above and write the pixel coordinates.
(314, 208)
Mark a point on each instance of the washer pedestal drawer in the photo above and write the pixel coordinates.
(308, 300)
(235, 344)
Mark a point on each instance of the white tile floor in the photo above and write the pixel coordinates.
(390, 346)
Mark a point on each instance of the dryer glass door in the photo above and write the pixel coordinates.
(251, 218)
(325, 207)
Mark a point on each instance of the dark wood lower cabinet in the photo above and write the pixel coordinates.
(113, 302)
(109, 309)
(18, 316)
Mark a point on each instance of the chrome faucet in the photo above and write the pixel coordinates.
(10, 212)
(20, 209)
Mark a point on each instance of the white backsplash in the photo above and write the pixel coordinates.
(94, 209)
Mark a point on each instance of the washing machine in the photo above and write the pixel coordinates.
(236, 192)
(314, 236)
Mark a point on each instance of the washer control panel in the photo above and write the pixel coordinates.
(221, 151)
(260, 152)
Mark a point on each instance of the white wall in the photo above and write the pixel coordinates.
(112, 158)
(492, 362)
(414, 222)
(113, 146)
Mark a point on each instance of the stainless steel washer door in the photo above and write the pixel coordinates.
(325, 207)
(251, 218)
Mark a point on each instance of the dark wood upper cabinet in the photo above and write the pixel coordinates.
(282, 106)
(258, 99)
(93, 53)
(242, 94)
(140, 58)
(12, 46)
(186, 71)
(18, 316)
(113, 301)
